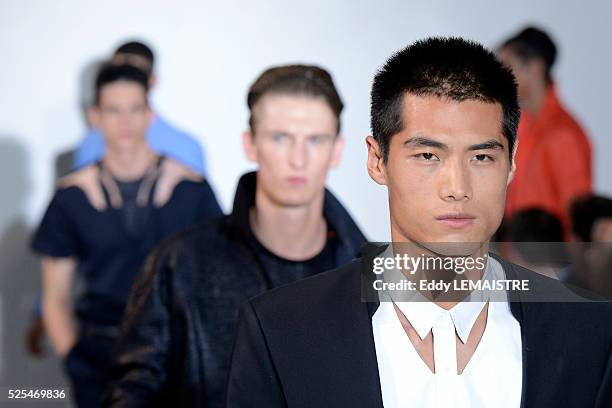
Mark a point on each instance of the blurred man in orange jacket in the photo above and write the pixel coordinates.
(553, 159)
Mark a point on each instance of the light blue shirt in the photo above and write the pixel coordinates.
(164, 138)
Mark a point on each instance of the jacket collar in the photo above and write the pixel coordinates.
(515, 301)
(370, 296)
(338, 219)
(548, 113)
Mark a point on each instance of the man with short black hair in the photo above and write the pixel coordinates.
(100, 225)
(586, 211)
(553, 160)
(285, 225)
(592, 255)
(444, 119)
(535, 241)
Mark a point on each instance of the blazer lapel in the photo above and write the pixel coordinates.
(370, 303)
(367, 390)
(520, 312)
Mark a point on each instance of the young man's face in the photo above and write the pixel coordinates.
(602, 230)
(122, 114)
(446, 172)
(295, 143)
(528, 74)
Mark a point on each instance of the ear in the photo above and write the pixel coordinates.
(513, 162)
(93, 116)
(376, 165)
(337, 152)
(152, 81)
(248, 144)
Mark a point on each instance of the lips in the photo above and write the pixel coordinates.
(297, 181)
(456, 220)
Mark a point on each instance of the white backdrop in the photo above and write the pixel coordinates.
(209, 52)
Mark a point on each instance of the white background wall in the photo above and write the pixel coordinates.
(209, 53)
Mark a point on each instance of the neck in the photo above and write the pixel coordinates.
(128, 164)
(293, 233)
(432, 273)
(537, 98)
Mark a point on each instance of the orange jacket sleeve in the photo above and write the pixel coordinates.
(568, 157)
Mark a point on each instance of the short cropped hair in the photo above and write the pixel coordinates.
(308, 80)
(534, 225)
(532, 233)
(110, 73)
(585, 211)
(533, 43)
(451, 68)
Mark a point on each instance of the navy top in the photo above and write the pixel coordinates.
(109, 256)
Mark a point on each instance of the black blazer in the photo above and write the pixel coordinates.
(310, 344)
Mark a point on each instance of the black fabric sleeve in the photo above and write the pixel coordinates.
(57, 235)
(252, 379)
(138, 370)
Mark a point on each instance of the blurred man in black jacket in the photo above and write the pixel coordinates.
(179, 327)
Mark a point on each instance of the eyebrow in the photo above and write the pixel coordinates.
(284, 132)
(422, 141)
(488, 145)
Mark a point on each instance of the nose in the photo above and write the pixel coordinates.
(298, 154)
(125, 117)
(455, 182)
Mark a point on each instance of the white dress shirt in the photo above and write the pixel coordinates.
(491, 378)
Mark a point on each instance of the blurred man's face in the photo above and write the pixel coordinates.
(122, 114)
(528, 74)
(295, 143)
(447, 171)
(602, 230)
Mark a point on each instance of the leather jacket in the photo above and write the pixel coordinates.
(178, 331)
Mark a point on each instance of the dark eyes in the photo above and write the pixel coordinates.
(117, 111)
(314, 140)
(426, 156)
(432, 157)
(483, 158)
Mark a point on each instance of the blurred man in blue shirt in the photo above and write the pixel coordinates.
(162, 136)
